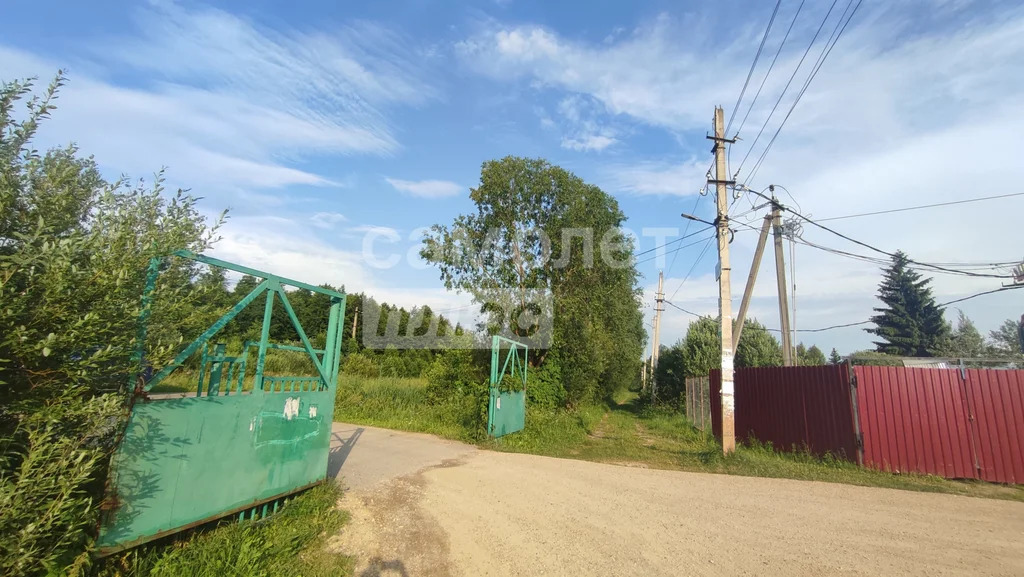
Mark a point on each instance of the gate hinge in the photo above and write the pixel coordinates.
(860, 440)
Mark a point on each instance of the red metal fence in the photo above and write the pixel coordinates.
(957, 424)
(792, 407)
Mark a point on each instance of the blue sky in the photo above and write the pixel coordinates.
(329, 128)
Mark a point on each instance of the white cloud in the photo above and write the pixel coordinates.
(426, 188)
(588, 142)
(900, 115)
(646, 75)
(380, 230)
(327, 219)
(226, 104)
(656, 178)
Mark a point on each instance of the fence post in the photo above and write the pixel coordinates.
(858, 437)
(701, 387)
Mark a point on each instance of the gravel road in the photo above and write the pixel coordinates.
(426, 506)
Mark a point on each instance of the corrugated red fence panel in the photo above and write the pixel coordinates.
(944, 422)
(792, 407)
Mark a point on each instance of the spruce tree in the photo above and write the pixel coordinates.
(911, 323)
(834, 358)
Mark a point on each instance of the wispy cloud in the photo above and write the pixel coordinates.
(327, 219)
(656, 178)
(225, 103)
(426, 188)
(901, 114)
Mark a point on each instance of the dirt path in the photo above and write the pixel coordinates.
(461, 511)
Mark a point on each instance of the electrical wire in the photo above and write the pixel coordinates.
(814, 72)
(823, 328)
(694, 266)
(938, 204)
(998, 290)
(770, 67)
(682, 309)
(685, 231)
(889, 254)
(753, 65)
(786, 88)
(678, 248)
(1001, 289)
(641, 253)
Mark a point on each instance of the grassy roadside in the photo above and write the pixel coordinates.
(624, 433)
(291, 542)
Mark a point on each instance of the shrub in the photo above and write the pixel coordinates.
(360, 365)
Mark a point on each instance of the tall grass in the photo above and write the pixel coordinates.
(400, 403)
(288, 543)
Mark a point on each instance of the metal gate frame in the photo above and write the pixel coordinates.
(185, 461)
(510, 418)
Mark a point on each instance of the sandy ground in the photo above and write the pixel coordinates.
(425, 506)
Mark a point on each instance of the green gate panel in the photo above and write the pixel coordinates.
(184, 461)
(507, 412)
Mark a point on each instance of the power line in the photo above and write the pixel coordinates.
(684, 237)
(694, 266)
(783, 93)
(878, 250)
(770, 67)
(677, 249)
(998, 290)
(814, 72)
(685, 230)
(682, 309)
(823, 328)
(753, 65)
(938, 204)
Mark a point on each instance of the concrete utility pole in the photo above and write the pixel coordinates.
(643, 375)
(724, 280)
(751, 279)
(659, 298)
(780, 277)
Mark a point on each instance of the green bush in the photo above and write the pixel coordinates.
(74, 252)
(49, 476)
(360, 365)
(544, 385)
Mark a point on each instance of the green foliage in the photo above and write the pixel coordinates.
(702, 347)
(810, 357)
(757, 347)
(910, 323)
(1008, 339)
(875, 359)
(525, 236)
(48, 477)
(964, 341)
(834, 358)
(74, 251)
(360, 365)
(671, 375)
(544, 385)
(290, 542)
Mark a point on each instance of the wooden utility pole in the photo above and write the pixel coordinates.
(355, 321)
(659, 298)
(780, 277)
(751, 279)
(724, 282)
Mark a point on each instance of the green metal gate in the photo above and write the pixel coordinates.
(507, 410)
(225, 451)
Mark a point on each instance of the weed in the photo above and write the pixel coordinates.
(291, 542)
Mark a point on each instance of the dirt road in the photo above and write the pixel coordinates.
(425, 506)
